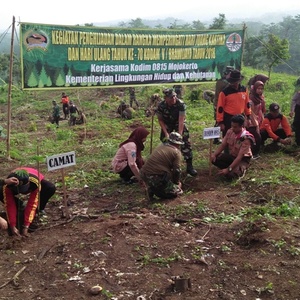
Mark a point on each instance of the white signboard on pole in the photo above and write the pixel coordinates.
(60, 161)
(211, 133)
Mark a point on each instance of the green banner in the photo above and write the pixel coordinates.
(54, 56)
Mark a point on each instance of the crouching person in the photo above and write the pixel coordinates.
(238, 142)
(7, 181)
(161, 172)
(30, 182)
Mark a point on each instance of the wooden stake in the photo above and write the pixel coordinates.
(151, 134)
(210, 152)
(66, 210)
(38, 171)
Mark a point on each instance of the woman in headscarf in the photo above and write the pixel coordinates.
(258, 77)
(128, 160)
(258, 109)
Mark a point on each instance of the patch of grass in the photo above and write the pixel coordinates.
(164, 261)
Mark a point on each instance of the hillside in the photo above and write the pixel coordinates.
(224, 240)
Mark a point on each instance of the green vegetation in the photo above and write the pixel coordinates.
(96, 144)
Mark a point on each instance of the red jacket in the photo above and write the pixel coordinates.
(32, 204)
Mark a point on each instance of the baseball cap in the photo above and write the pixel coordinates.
(274, 107)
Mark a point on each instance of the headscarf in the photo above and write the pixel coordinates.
(254, 97)
(258, 77)
(136, 136)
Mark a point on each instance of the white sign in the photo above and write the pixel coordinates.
(211, 133)
(60, 161)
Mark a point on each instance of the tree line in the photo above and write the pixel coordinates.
(272, 47)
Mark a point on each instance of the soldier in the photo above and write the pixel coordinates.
(81, 118)
(171, 117)
(125, 111)
(55, 113)
(209, 96)
(132, 97)
(73, 110)
(178, 90)
(161, 172)
(155, 99)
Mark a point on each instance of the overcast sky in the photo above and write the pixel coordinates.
(64, 12)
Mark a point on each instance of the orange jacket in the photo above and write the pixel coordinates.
(65, 100)
(271, 124)
(233, 102)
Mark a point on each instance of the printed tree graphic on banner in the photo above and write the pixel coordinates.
(49, 82)
(43, 78)
(60, 80)
(41, 84)
(33, 78)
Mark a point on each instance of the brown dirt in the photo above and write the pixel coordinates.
(138, 254)
(134, 249)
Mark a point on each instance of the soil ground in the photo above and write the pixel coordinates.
(170, 250)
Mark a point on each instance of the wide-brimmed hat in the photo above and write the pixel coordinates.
(175, 138)
(234, 76)
(228, 69)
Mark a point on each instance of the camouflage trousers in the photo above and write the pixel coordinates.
(186, 148)
(161, 186)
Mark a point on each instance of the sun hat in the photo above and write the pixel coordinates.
(175, 138)
(228, 69)
(234, 76)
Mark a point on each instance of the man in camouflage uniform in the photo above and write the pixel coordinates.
(125, 110)
(171, 117)
(162, 172)
(55, 113)
(132, 97)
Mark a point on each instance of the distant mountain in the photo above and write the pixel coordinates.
(190, 16)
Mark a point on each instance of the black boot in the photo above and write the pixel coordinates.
(190, 169)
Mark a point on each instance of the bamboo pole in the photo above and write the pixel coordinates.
(209, 158)
(38, 171)
(66, 209)
(9, 89)
(151, 135)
